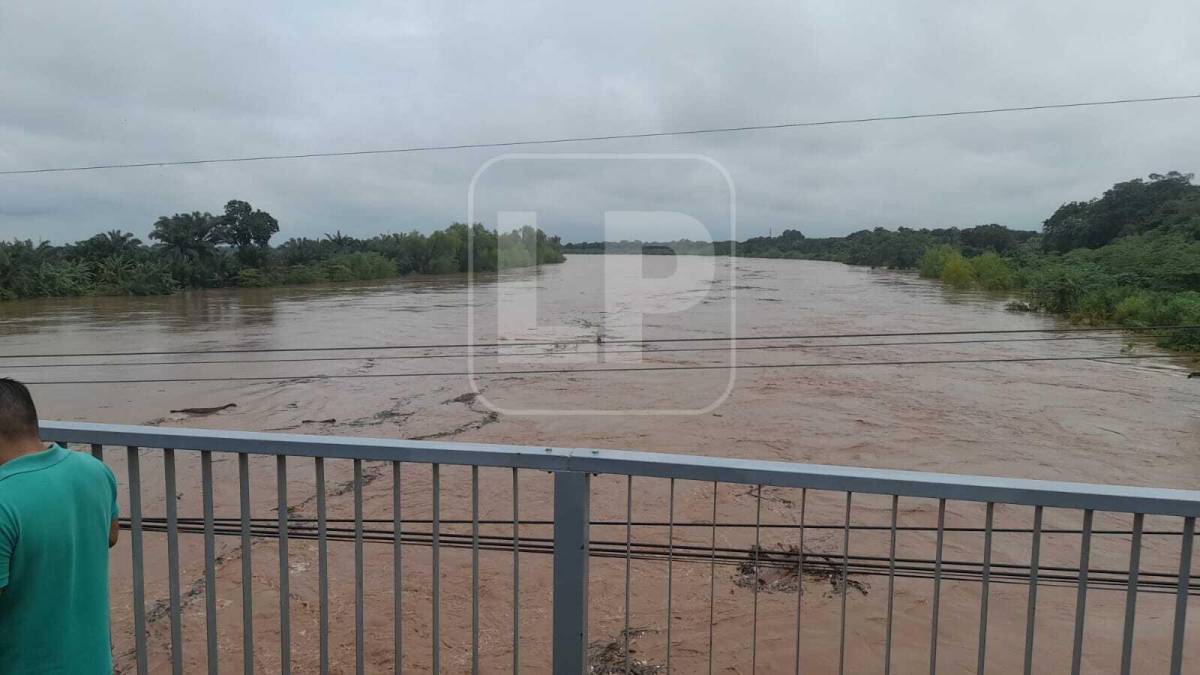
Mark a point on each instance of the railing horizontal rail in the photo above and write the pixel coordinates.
(1157, 501)
(1088, 543)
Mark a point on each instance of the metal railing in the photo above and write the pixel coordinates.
(593, 490)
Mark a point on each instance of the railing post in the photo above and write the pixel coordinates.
(571, 517)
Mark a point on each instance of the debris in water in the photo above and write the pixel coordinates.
(1019, 306)
(607, 657)
(777, 571)
(205, 411)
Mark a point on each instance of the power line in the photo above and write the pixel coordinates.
(565, 343)
(638, 369)
(609, 137)
(545, 354)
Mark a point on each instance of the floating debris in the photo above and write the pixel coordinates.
(1019, 306)
(607, 657)
(776, 571)
(205, 411)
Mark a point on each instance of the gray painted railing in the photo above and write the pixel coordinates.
(572, 545)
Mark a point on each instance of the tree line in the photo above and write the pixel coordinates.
(202, 250)
(1130, 256)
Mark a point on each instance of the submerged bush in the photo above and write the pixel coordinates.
(957, 272)
(303, 274)
(358, 267)
(991, 272)
(934, 259)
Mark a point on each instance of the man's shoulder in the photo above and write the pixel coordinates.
(60, 462)
(85, 460)
(84, 463)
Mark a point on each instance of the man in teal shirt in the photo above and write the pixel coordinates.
(58, 518)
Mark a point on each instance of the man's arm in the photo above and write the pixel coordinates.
(8, 542)
(114, 528)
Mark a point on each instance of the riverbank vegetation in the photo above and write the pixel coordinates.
(201, 250)
(1129, 257)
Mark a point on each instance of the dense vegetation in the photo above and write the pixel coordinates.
(200, 250)
(1130, 256)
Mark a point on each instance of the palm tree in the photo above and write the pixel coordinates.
(121, 242)
(187, 236)
(339, 240)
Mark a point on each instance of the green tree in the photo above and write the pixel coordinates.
(106, 245)
(188, 241)
(248, 230)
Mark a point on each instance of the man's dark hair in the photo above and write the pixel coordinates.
(18, 415)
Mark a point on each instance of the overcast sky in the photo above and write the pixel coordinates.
(85, 82)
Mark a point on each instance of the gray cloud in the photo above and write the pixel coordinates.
(141, 81)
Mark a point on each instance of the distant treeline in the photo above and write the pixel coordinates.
(1130, 256)
(895, 249)
(200, 250)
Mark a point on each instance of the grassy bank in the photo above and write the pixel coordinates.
(200, 250)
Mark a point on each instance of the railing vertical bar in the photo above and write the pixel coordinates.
(210, 568)
(757, 578)
(712, 581)
(984, 590)
(285, 613)
(845, 583)
(1031, 609)
(891, 603)
(516, 525)
(1135, 563)
(800, 574)
(937, 586)
(397, 572)
(98, 451)
(135, 531)
(322, 566)
(572, 500)
(1181, 595)
(628, 548)
(359, 600)
(247, 576)
(670, 562)
(1085, 548)
(171, 501)
(475, 570)
(436, 540)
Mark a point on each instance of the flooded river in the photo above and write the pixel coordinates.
(823, 400)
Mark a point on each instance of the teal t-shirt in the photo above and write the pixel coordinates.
(56, 507)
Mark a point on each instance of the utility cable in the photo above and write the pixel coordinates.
(582, 139)
(622, 341)
(637, 369)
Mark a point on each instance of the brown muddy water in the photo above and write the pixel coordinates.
(1108, 421)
